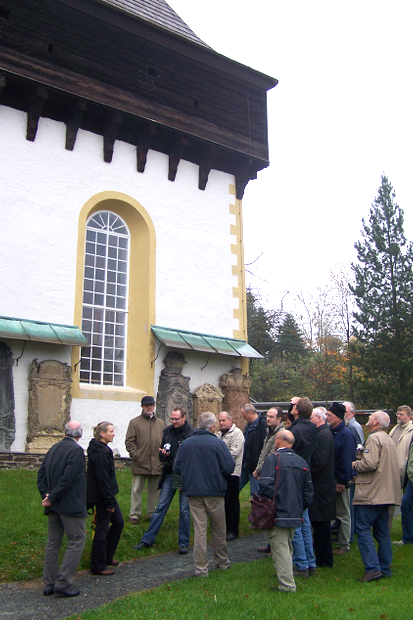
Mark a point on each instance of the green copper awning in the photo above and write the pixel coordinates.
(181, 339)
(37, 331)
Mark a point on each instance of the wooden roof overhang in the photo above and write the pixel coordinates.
(124, 79)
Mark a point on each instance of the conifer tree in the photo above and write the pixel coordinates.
(384, 293)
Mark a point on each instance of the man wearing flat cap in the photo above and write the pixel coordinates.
(143, 440)
(344, 455)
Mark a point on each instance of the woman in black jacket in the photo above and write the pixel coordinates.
(101, 490)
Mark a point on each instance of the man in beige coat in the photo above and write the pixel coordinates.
(377, 488)
(402, 437)
(143, 440)
(234, 438)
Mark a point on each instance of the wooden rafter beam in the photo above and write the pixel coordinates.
(73, 123)
(176, 152)
(205, 166)
(110, 134)
(144, 144)
(36, 104)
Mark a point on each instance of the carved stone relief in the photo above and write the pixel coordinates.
(7, 417)
(49, 403)
(173, 388)
(235, 387)
(207, 397)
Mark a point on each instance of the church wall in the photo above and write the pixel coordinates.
(44, 188)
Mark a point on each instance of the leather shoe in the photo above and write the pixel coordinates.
(301, 573)
(113, 563)
(140, 546)
(106, 572)
(69, 591)
(340, 551)
(266, 549)
(48, 590)
(373, 575)
(231, 536)
(312, 570)
(183, 550)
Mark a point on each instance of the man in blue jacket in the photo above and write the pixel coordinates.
(344, 455)
(204, 464)
(62, 484)
(288, 475)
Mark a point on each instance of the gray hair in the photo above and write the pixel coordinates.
(73, 432)
(249, 408)
(318, 411)
(227, 413)
(350, 405)
(382, 418)
(206, 420)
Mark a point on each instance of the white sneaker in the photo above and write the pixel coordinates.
(398, 542)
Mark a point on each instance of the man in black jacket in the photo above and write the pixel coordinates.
(173, 436)
(254, 433)
(304, 441)
(62, 484)
(288, 475)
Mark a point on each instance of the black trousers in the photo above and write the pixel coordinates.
(109, 526)
(323, 547)
(232, 508)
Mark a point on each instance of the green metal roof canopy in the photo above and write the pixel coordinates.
(181, 339)
(37, 331)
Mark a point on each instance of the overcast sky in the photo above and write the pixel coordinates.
(340, 116)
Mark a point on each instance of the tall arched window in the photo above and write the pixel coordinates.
(105, 299)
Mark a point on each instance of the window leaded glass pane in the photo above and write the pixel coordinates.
(104, 290)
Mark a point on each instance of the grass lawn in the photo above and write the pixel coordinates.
(243, 592)
(23, 526)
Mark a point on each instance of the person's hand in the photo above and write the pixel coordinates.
(256, 475)
(340, 487)
(110, 509)
(46, 503)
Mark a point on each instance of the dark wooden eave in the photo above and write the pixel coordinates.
(192, 104)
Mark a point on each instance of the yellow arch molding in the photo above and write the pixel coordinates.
(140, 340)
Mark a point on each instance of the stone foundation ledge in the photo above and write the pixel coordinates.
(21, 460)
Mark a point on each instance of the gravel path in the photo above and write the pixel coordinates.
(25, 600)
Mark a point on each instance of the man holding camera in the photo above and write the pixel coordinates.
(169, 483)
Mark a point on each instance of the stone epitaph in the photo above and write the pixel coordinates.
(235, 387)
(7, 417)
(49, 404)
(173, 388)
(207, 397)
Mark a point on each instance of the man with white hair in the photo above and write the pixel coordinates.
(351, 422)
(233, 437)
(377, 488)
(321, 510)
(62, 484)
(204, 464)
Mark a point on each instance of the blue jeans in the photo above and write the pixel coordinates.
(303, 553)
(244, 479)
(407, 514)
(165, 498)
(376, 517)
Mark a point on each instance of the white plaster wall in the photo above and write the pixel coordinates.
(44, 187)
(91, 412)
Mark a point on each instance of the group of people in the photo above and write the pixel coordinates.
(314, 461)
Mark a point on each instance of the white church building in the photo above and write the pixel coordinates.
(126, 145)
